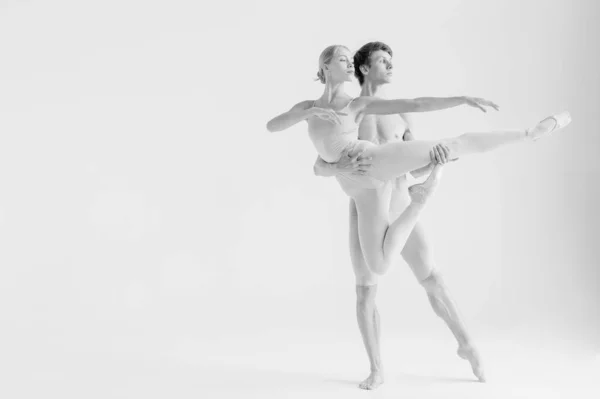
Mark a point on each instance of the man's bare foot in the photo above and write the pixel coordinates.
(472, 355)
(374, 380)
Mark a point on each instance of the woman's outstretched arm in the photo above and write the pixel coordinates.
(297, 113)
(300, 112)
(371, 105)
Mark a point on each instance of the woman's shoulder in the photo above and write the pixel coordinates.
(303, 105)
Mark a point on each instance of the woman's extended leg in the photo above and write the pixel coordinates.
(398, 158)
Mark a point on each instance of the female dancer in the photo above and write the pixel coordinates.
(333, 122)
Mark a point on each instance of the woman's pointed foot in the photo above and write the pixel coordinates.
(420, 193)
(472, 355)
(548, 125)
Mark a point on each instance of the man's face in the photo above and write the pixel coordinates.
(380, 70)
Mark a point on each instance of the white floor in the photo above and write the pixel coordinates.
(415, 368)
(290, 364)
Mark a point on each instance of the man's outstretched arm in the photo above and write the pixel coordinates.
(373, 105)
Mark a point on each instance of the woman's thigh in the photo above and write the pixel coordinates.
(398, 158)
(352, 184)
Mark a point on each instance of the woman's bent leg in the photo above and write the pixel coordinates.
(398, 158)
(381, 241)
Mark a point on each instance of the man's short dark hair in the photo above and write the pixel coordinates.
(363, 57)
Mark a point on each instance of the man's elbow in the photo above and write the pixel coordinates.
(418, 106)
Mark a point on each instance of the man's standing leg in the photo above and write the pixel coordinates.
(366, 310)
(418, 254)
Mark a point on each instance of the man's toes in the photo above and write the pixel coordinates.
(366, 384)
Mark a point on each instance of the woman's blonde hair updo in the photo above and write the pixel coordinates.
(325, 58)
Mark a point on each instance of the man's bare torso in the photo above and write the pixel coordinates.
(381, 129)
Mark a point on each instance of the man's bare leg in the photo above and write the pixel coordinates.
(418, 255)
(369, 325)
(367, 314)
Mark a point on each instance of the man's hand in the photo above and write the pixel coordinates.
(439, 154)
(356, 165)
(480, 103)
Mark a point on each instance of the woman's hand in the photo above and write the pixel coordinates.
(326, 114)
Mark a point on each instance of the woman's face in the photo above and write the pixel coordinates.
(340, 68)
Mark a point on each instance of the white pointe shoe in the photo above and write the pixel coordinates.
(420, 193)
(548, 125)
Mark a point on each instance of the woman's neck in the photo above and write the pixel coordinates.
(332, 92)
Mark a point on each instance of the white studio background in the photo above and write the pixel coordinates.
(145, 209)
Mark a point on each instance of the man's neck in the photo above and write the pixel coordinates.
(370, 89)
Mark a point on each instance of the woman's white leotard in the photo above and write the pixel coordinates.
(332, 140)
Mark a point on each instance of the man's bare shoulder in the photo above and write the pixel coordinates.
(362, 101)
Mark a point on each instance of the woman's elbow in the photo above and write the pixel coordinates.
(271, 127)
(316, 170)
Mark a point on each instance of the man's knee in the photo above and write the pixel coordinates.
(380, 267)
(365, 295)
(434, 283)
(366, 278)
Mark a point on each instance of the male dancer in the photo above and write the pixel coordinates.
(373, 68)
